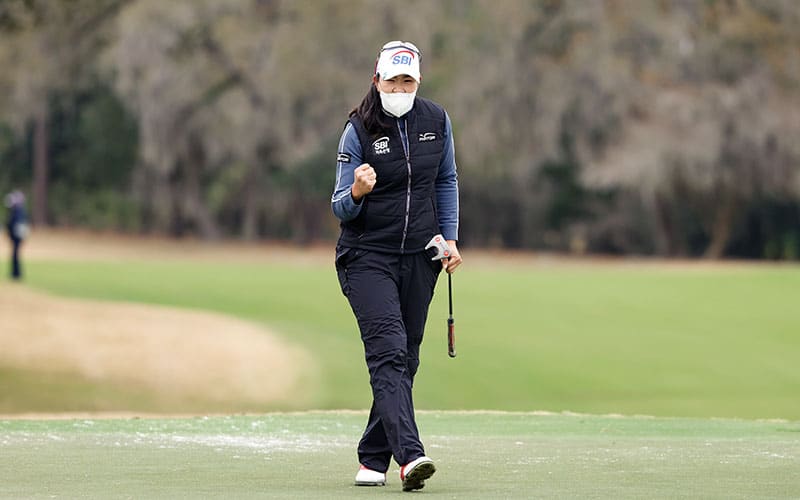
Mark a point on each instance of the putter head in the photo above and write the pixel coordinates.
(442, 248)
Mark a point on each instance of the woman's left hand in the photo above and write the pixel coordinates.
(454, 261)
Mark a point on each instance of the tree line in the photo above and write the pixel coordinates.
(630, 127)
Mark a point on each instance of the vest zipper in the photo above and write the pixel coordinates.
(404, 140)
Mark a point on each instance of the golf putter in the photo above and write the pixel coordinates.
(443, 252)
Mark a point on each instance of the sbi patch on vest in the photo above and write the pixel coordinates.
(381, 146)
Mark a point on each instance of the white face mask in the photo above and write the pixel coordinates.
(397, 103)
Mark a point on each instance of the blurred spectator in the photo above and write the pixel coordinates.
(17, 228)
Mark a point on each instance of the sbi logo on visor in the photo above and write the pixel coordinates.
(403, 57)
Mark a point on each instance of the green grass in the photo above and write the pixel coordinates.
(615, 338)
(479, 455)
(36, 391)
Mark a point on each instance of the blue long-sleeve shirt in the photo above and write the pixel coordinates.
(345, 208)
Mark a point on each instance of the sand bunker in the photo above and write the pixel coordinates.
(169, 351)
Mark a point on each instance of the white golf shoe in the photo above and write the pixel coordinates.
(414, 473)
(369, 477)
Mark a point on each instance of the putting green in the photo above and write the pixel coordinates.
(479, 455)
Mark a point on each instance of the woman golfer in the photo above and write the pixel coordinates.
(395, 189)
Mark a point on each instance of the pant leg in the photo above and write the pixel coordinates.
(370, 282)
(374, 450)
(418, 282)
(16, 269)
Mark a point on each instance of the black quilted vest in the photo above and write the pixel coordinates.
(399, 215)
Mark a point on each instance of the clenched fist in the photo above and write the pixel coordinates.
(364, 181)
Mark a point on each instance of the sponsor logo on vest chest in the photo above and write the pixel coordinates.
(381, 146)
(427, 136)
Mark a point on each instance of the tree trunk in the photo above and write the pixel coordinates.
(721, 229)
(250, 203)
(663, 228)
(194, 201)
(41, 166)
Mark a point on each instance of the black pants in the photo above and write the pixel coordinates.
(16, 268)
(389, 295)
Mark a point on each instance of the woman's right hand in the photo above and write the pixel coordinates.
(364, 181)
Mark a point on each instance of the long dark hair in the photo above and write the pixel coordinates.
(370, 111)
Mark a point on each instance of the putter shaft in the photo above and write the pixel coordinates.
(451, 323)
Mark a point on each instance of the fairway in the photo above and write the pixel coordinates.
(616, 336)
(479, 455)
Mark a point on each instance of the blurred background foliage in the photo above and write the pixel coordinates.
(654, 127)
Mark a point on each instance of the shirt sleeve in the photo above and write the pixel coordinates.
(447, 186)
(347, 159)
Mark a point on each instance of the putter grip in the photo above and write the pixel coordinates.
(451, 337)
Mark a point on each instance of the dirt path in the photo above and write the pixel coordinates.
(169, 351)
